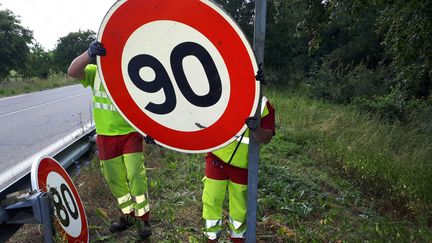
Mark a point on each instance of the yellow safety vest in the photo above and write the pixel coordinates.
(240, 158)
(108, 120)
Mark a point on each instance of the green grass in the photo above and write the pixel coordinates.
(330, 174)
(386, 156)
(16, 87)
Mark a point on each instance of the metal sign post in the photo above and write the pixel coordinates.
(35, 209)
(253, 153)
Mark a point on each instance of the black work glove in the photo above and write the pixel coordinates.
(260, 76)
(96, 49)
(149, 140)
(252, 123)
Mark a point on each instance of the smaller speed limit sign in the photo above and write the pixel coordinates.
(49, 176)
(179, 71)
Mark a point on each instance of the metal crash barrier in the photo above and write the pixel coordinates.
(20, 205)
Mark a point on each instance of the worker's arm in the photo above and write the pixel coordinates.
(264, 130)
(263, 135)
(76, 68)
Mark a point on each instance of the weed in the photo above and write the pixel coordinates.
(330, 175)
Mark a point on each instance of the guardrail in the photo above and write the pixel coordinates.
(70, 149)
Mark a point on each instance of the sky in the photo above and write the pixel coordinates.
(51, 19)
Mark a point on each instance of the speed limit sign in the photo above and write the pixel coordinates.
(49, 176)
(180, 71)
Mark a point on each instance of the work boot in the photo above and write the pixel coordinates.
(144, 229)
(123, 223)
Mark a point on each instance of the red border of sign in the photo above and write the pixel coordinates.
(39, 174)
(202, 17)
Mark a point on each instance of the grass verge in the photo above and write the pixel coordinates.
(16, 87)
(330, 175)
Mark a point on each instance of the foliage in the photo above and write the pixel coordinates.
(407, 28)
(346, 82)
(28, 59)
(39, 63)
(331, 174)
(385, 157)
(14, 39)
(242, 12)
(332, 44)
(19, 86)
(285, 54)
(367, 52)
(71, 46)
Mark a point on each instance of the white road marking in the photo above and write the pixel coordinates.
(36, 106)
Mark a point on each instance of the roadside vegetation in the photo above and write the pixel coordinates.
(331, 174)
(16, 85)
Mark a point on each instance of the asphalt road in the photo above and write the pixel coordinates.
(31, 122)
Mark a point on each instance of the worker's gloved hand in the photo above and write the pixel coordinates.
(260, 76)
(252, 123)
(96, 49)
(149, 140)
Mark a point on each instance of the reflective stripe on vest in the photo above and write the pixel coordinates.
(243, 140)
(98, 93)
(104, 106)
(240, 156)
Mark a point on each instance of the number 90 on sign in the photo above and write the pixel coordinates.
(163, 82)
(183, 82)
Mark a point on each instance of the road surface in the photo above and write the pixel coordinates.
(31, 122)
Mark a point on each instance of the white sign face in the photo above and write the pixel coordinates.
(179, 71)
(49, 176)
(65, 206)
(170, 34)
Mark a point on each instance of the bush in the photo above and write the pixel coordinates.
(347, 82)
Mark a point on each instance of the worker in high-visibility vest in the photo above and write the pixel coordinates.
(120, 148)
(227, 168)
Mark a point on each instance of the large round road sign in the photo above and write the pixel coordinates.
(179, 71)
(49, 176)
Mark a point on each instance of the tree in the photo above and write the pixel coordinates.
(40, 63)
(407, 27)
(242, 11)
(71, 46)
(286, 52)
(14, 41)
